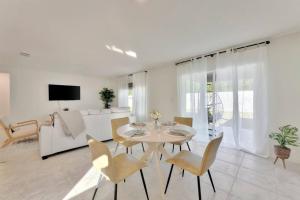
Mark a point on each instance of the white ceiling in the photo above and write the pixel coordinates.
(70, 35)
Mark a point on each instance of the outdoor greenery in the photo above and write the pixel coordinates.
(286, 136)
(210, 87)
(107, 96)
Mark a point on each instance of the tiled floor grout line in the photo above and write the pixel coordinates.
(230, 191)
(276, 185)
(227, 162)
(256, 185)
(254, 171)
(240, 166)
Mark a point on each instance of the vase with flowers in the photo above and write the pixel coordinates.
(155, 115)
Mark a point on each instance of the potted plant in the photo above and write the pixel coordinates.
(107, 96)
(286, 137)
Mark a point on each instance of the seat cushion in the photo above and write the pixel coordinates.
(187, 161)
(124, 166)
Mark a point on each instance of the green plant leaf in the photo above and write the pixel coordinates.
(286, 136)
(107, 96)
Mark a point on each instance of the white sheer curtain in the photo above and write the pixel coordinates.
(123, 91)
(191, 90)
(226, 92)
(140, 96)
(241, 87)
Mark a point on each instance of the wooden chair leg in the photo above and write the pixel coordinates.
(199, 187)
(116, 147)
(99, 181)
(182, 174)
(173, 148)
(116, 192)
(276, 160)
(188, 146)
(6, 142)
(179, 147)
(127, 150)
(95, 193)
(169, 178)
(283, 161)
(212, 183)
(161, 154)
(145, 187)
(131, 150)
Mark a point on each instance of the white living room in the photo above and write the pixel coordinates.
(144, 99)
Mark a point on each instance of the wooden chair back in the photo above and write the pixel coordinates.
(116, 123)
(5, 128)
(101, 157)
(188, 121)
(210, 153)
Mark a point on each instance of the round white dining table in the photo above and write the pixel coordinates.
(155, 137)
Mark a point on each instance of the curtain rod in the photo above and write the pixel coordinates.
(136, 73)
(220, 52)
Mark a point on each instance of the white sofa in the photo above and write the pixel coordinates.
(53, 139)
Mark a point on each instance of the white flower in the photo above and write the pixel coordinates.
(155, 114)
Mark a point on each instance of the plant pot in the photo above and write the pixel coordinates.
(282, 152)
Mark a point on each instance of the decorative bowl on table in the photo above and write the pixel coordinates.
(135, 133)
(179, 132)
(138, 124)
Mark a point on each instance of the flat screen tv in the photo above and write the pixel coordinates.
(63, 92)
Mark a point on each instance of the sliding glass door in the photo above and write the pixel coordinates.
(234, 95)
(240, 87)
(220, 107)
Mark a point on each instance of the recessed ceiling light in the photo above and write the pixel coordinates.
(24, 54)
(131, 53)
(116, 49)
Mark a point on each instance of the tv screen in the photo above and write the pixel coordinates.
(63, 92)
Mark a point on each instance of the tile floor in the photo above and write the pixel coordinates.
(237, 176)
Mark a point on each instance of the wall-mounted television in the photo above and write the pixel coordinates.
(63, 92)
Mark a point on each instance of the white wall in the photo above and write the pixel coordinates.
(283, 82)
(163, 91)
(29, 92)
(4, 94)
